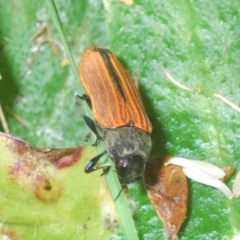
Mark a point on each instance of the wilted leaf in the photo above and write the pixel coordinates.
(43, 187)
(171, 200)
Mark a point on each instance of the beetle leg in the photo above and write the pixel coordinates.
(147, 185)
(92, 126)
(118, 195)
(77, 99)
(84, 97)
(90, 167)
(150, 165)
(106, 169)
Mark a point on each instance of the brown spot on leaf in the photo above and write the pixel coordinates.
(15, 144)
(170, 202)
(47, 187)
(110, 223)
(48, 190)
(6, 233)
(21, 147)
(65, 157)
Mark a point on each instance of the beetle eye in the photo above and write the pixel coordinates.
(121, 167)
(122, 163)
(129, 168)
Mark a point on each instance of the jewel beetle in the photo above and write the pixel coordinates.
(120, 120)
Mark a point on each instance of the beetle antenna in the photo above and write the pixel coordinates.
(150, 165)
(118, 195)
(147, 185)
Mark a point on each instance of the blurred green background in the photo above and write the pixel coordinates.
(198, 42)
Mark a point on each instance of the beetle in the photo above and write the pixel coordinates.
(120, 120)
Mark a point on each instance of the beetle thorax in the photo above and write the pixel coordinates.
(127, 141)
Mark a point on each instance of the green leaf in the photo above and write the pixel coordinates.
(197, 42)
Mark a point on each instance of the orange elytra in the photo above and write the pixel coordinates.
(114, 97)
(120, 119)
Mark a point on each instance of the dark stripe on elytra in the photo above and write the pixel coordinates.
(112, 72)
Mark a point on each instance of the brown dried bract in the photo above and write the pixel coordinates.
(171, 200)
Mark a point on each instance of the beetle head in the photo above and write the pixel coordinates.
(130, 168)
